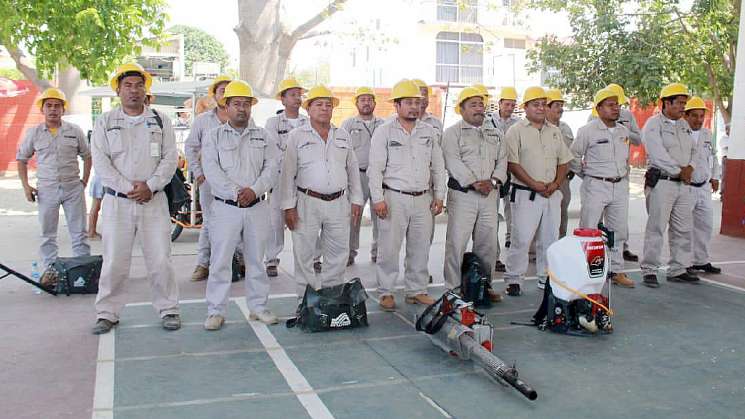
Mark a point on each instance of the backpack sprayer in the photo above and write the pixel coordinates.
(453, 325)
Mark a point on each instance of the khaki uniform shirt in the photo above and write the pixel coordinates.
(503, 124)
(56, 155)
(200, 129)
(539, 152)
(126, 150)
(626, 118)
(322, 166)
(407, 162)
(669, 144)
(599, 152)
(279, 127)
(706, 158)
(360, 133)
(235, 160)
(474, 153)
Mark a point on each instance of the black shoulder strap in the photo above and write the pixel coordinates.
(157, 117)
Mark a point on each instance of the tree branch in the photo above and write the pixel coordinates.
(313, 34)
(26, 70)
(316, 20)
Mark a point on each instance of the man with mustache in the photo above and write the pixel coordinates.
(200, 129)
(57, 145)
(538, 160)
(406, 164)
(321, 193)
(477, 163)
(240, 160)
(554, 111)
(291, 94)
(602, 161)
(134, 153)
(361, 129)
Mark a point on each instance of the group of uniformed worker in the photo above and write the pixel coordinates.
(314, 178)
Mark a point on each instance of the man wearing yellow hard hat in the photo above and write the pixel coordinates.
(602, 161)
(203, 124)
(671, 159)
(321, 193)
(57, 145)
(538, 159)
(704, 181)
(407, 187)
(424, 116)
(477, 164)
(503, 120)
(240, 160)
(361, 129)
(554, 112)
(134, 153)
(290, 93)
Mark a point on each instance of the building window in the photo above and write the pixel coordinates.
(457, 10)
(514, 43)
(460, 57)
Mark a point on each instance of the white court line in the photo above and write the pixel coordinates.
(103, 393)
(722, 284)
(305, 394)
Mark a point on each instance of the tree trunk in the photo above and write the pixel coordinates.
(70, 83)
(28, 72)
(266, 45)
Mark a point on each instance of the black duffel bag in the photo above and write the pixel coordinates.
(76, 275)
(338, 307)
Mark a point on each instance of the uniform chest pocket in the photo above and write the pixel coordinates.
(70, 141)
(42, 146)
(422, 148)
(308, 153)
(491, 145)
(357, 137)
(116, 143)
(340, 150)
(257, 148)
(600, 150)
(227, 154)
(670, 139)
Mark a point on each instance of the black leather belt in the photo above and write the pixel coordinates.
(322, 196)
(363, 170)
(119, 194)
(608, 179)
(455, 185)
(670, 178)
(236, 204)
(698, 185)
(515, 187)
(414, 193)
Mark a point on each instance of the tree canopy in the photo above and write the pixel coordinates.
(201, 46)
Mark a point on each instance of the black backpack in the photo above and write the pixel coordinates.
(475, 281)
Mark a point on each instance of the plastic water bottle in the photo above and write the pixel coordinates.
(36, 276)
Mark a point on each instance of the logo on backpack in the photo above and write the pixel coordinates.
(341, 320)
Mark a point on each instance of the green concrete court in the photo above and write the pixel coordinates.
(678, 352)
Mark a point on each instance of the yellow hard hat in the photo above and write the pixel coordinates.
(481, 88)
(219, 79)
(51, 93)
(238, 88)
(130, 68)
(422, 85)
(674, 89)
(364, 91)
(553, 95)
(533, 93)
(508, 93)
(622, 99)
(603, 94)
(467, 93)
(695, 102)
(317, 92)
(286, 84)
(405, 88)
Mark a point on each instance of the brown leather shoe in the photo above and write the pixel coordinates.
(200, 273)
(622, 280)
(420, 299)
(272, 271)
(494, 296)
(387, 303)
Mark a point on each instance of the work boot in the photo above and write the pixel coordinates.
(420, 299)
(621, 280)
(374, 258)
(541, 283)
(507, 244)
(494, 296)
(708, 268)
(103, 326)
(266, 317)
(200, 273)
(513, 290)
(350, 261)
(317, 267)
(387, 303)
(499, 267)
(651, 281)
(214, 322)
(684, 277)
(630, 257)
(272, 271)
(171, 322)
